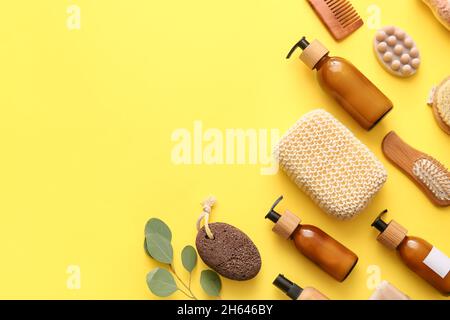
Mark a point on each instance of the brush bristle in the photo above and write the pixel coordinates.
(343, 11)
(434, 176)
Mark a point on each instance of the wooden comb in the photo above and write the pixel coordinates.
(339, 16)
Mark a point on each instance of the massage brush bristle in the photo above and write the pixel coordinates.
(429, 174)
(339, 16)
(435, 176)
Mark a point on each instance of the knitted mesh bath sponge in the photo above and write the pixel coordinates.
(330, 164)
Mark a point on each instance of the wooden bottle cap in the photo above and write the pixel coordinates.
(393, 235)
(286, 225)
(312, 54)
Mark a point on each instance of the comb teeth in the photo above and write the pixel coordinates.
(339, 16)
(434, 176)
(343, 11)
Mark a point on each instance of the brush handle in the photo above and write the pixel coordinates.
(400, 153)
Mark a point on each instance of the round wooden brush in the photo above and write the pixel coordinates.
(440, 101)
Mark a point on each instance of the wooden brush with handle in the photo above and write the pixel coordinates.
(428, 173)
(339, 16)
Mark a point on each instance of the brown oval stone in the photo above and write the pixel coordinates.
(231, 253)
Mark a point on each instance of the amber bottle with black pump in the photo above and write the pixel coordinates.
(330, 255)
(345, 83)
(295, 292)
(419, 255)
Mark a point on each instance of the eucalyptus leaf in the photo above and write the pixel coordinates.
(189, 258)
(161, 282)
(159, 248)
(210, 282)
(155, 225)
(146, 249)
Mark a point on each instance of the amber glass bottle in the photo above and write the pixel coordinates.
(419, 255)
(346, 84)
(295, 292)
(330, 255)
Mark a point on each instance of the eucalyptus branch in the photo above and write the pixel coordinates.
(190, 277)
(165, 281)
(186, 294)
(172, 268)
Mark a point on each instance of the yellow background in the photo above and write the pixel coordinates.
(87, 115)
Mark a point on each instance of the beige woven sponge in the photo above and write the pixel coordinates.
(330, 164)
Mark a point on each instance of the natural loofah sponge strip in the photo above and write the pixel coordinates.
(439, 99)
(443, 101)
(330, 164)
(441, 10)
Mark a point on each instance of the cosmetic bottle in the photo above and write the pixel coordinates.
(295, 292)
(345, 83)
(328, 254)
(419, 255)
(386, 291)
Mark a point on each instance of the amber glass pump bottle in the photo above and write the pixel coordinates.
(295, 292)
(330, 255)
(345, 83)
(420, 256)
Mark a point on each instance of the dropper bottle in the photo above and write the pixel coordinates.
(345, 83)
(420, 256)
(328, 254)
(295, 292)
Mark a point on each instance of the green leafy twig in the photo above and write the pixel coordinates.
(160, 281)
(192, 296)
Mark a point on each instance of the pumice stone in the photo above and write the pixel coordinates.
(231, 253)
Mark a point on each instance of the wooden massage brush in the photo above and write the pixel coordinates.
(428, 173)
